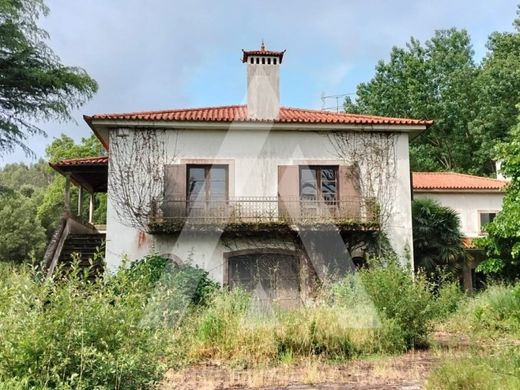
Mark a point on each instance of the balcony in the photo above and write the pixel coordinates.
(266, 213)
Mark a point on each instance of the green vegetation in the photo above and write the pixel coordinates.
(83, 335)
(473, 105)
(34, 84)
(502, 243)
(125, 330)
(437, 238)
(492, 321)
(32, 201)
(483, 371)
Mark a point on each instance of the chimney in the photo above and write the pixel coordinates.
(263, 79)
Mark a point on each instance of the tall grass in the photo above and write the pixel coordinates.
(495, 311)
(125, 330)
(379, 310)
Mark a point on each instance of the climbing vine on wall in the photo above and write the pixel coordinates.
(374, 157)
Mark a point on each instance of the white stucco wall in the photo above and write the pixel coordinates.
(254, 157)
(468, 205)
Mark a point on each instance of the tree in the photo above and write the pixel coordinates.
(502, 243)
(434, 80)
(437, 239)
(499, 92)
(21, 235)
(34, 85)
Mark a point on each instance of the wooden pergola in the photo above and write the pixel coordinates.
(89, 174)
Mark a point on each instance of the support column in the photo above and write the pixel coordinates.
(80, 200)
(67, 193)
(91, 208)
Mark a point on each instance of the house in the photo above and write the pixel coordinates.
(477, 200)
(256, 194)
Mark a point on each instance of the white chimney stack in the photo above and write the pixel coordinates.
(263, 82)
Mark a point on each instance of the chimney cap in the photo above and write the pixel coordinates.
(262, 53)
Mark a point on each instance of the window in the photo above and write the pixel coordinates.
(319, 183)
(206, 184)
(485, 218)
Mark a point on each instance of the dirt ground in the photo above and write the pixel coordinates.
(408, 371)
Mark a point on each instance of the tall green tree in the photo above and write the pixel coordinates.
(433, 80)
(502, 243)
(498, 93)
(34, 85)
(437, 237)
(473, 105)
(21, 235)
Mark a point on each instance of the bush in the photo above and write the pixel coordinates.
(77, 334)
(496, 310)
(400, 297)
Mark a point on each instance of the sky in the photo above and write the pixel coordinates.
(163, 54)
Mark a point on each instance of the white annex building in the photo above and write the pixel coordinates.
(477, 200)
(255, 192)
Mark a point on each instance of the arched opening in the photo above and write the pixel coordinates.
(272, 276)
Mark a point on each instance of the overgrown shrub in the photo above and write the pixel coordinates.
(495, 310)
(72, 333)
(379, 310)
(403, 298)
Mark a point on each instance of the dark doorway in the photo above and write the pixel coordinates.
(272, 278)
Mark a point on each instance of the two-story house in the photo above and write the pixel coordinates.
(257, 194)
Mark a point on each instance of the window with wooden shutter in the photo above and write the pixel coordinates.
(174, 203)
(349, 191)
(288, 191)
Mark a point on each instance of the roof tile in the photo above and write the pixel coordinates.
(238, 113)
(454, 181)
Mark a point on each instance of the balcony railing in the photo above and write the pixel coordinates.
(264, 211)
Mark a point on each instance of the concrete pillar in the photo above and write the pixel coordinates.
(67, 193)
(80, 200)
(91, 208)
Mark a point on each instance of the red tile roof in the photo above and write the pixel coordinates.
(445, 181)
(238, 113)
(82, 161)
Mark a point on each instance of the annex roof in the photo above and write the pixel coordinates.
(452, 181)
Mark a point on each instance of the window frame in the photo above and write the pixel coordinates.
(318, 169)
(482, 212)
(207, 168)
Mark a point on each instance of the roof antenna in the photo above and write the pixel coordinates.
(262, 46)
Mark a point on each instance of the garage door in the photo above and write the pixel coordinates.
(271, 278)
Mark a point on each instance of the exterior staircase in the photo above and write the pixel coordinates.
(86, 248)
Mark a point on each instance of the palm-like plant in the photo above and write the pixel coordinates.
(437, 238)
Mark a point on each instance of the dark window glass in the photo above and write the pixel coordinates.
(319, 182)
(486, 218)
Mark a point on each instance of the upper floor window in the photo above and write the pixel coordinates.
(485, 218)
(207, 183)
(319, 182)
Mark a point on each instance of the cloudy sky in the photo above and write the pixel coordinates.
(160, 54)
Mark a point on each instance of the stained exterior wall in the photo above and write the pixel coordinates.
(468, 206)
(253, 157)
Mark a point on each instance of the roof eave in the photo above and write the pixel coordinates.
(98, 125)
(459, 190)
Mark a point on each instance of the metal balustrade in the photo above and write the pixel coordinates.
(266, 210)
